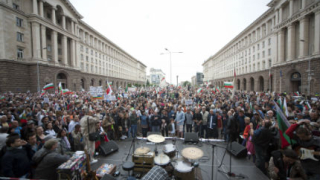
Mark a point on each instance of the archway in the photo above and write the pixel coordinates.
(83, 84)
(244, 84)
(100, 82)
(238, 84)
(61, 77)
(295, 82)
(252, 84)
(92, 82)
(261, 83)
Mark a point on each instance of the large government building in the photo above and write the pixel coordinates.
(279, 51)
(45, 41)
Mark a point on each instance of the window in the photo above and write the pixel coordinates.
(82, 57)
(87, 58)
(59, 51)
(87, 50)
(96, 54)
(263, 54)
(263, 44)
(19, 22)
(19, 36)
(15, 6)
(81, 48)
(253, 49)
(269, 52)
(92, 60)
(49, 48)
(87, 67)
(258, 57)
(19, 53)
(258, 47)
(253, 58)
(82, 66)
(269, 41)
(91, 52)
(49, 15)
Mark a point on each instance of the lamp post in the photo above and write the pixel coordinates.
(169, 52)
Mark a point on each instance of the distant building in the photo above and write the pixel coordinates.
(279, 51)
(199, 78)
(47, 41)
(156, 75)
(193, 80)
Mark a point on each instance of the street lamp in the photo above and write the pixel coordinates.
(169, 52)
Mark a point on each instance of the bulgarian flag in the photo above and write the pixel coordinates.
(42, 93)
(66, 91)
(48, 86)
(60, 88)
(283, 124)
(217, 89)
(108, 90)
(199, 90)
(228, 85)
(213, 91)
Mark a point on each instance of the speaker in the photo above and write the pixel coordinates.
(107, 148)
(237, 150)
(191, 137)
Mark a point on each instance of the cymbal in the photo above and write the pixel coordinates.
(156, 138)
(192, 153)
(142, 151)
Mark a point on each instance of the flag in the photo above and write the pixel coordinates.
(48, 86)
(269, 74)
(126, 90)
(283, 124)
(217, 89)
(285, 107)
(108, 90)
(42, 93)
(60, 88)
(228, 84)
(66, 91)
(163, 82)
(199, 90)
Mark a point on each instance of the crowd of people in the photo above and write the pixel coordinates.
(38, 133)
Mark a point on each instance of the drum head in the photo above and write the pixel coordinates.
(161, 159)
(183, 167)
(169, 148)
(142, 151)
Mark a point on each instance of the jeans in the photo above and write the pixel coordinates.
(155, 129)
(203, 128)
(144, 132)
(134, 130)
(189, 127)
(260, 158)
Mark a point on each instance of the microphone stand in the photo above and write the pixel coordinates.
(213, 145)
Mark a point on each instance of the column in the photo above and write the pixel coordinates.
(290, 8)
(277, 16)
(281, 46)
(53, 14)
(76, 29)
(317, 34)
(291, 42)
(73, 53)
(36, 40)
(44, 42)
(303, 4)
(65, 49)
(72, 26)
(54, 41)
(63, 21)
(304, 36)
(41, 8)
(280, 15)
(35, 7)
(267, 27)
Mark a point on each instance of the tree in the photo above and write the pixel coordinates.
(148, 83)
(186, 83)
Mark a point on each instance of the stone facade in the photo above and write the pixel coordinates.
(284, 40)
(50, 34)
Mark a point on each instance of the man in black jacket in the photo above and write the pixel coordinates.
(15, 162)
(261, 139)
(212, 125)
(155, 122)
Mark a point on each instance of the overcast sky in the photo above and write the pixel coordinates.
(144, 28)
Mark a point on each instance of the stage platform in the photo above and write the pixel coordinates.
(239, 166)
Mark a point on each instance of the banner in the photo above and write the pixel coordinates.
(132, 89)
(96, 91)
(188, 102)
